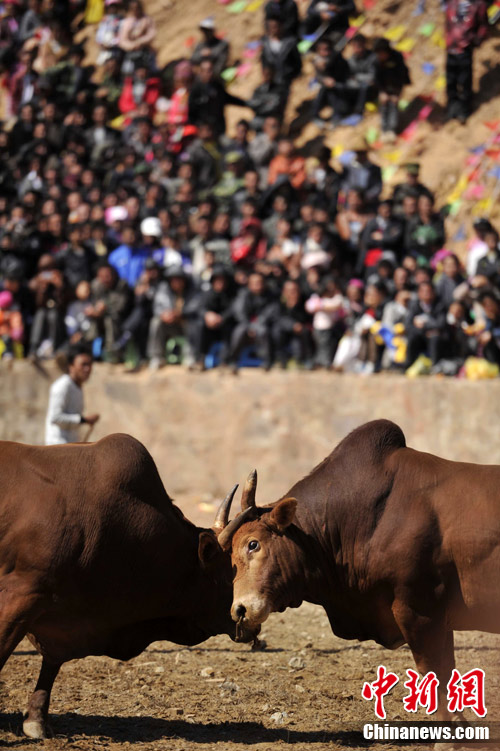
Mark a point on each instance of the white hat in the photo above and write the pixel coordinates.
(115, 214)
(208, 23)
(151, 227)
(315, 258)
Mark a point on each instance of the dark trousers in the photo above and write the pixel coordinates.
(389, 116)
(420, 343)
(326, 341)
(288, 343)
(240, 338)
(331, 98)
(47, 324)
(459, 84)
(136, 325)
(204, 338)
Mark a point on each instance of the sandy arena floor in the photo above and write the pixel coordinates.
(222, 696)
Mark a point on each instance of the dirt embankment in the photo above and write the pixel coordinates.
(207, 431)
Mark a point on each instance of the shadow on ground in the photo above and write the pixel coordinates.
(150, 729)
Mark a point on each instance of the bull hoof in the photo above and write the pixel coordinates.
(259, 645)
(36, 729)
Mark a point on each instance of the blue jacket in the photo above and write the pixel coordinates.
(129, 262)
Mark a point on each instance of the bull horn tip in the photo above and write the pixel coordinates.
(222, 517)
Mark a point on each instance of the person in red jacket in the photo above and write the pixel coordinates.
(466, 27)
(141, 88)
(250, 245)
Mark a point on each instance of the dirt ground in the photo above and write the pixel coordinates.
(223, 696)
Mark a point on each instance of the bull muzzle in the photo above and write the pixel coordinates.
(250, 612)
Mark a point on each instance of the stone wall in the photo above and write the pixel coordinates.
(206, 431)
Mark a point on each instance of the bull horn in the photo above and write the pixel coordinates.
(248, 495)
(222, 517)
(227, 533)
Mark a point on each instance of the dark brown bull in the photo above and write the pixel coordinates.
(397, 545)
(95, 559)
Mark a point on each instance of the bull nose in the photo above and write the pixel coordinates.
(240, 611)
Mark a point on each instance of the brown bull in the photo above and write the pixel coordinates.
(397, 545)
(95, 559)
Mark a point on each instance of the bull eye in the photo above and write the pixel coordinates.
(253, 545)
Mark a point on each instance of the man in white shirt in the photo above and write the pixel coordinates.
(65, 411)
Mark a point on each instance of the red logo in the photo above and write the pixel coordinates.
(378, 689)
(423, 693)
(467, 691)
(464, 691)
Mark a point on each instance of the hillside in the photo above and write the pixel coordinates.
(442, 150)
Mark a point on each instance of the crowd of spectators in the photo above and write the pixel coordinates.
(131, 220)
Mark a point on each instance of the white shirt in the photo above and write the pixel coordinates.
(64, 412)
(477, 250)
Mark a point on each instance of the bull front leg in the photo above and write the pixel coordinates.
(431, 643)
(432, 647)
(35, 724)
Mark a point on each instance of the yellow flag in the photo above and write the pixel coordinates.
(395, 33)
(406, 45)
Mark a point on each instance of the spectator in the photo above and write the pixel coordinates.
(254, 311)
(175, 308)
(291, 329)
(489, 339)
(382, 238)
(178, 111)
(264, 147)
(280, 53)
(53, 47)
(351, 223)
(49, 293)
(215, 318)
(136, 325)
(361, 174)
(458, 344)
(250, 244)
(108, 31)
(425, 232)
(391, 76)
(466, 26)
(477, 247)
(211, 47)
(333, 17)
(286, 12)
(140, 93)
(268, 99)
(328, 308)
(208, 98)
(77, 260)
(331, 73)
(489, 264)
(110, 302)
(136, 34)
(76, 320)
(11, 326)
(287, 166)
(129, 259)
(360, 83)
(450, 279)
(31, 21)
(22, 83)
(424, 325)
(410, 187)
(206, 154)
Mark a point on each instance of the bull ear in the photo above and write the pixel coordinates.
(208, 548)
(283, 513)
